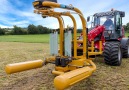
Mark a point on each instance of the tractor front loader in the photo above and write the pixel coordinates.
(69, 66)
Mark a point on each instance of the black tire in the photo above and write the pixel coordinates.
(125, 49)
(112, 53)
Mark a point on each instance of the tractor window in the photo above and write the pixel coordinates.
(90, 22)
(96, 21)
(118, 21)
(118, 24)
(107, 21)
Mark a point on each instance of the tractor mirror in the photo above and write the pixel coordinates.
(122, 14)
(88, 18)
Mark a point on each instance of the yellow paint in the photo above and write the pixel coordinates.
(94, 53)
(92, 46)
(57, 72)
(18, 67)
(68, 79)
(100, 46)
(56, 5)
(61, 35)
(62, 69)
(79, 62)
(35, 3)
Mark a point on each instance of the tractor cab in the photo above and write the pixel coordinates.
(112, 21)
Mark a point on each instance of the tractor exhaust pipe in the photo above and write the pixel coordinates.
(68, 79)
(23, 66)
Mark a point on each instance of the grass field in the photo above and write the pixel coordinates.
(104, 78)
(42, 38)
(126, 34)
(13, 49)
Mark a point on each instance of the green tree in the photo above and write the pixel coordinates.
(126, 27)
(2, 31)
(32, 29)
(46, 30)
(40, 29)
(43, 30)
(18, 31)
(79, 30)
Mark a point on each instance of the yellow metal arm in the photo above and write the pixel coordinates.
(61, 35)
(75, 28)
(56, 5)
(18, 67)
(68, 79)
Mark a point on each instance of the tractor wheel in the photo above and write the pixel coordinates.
(125, 49)
(112, 53)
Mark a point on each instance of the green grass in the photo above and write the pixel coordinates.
(44, 38)
(126, 34)
(41, 38)
(104, 78)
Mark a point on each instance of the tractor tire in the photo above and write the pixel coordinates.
(125, 48)
(112, 53)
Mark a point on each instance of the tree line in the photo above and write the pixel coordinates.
(126, 27)
(31, 29)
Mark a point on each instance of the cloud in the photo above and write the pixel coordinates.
(2, 26)
(11, 15)
(5, 6)
(21, 12)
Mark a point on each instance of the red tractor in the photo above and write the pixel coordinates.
(107, 27)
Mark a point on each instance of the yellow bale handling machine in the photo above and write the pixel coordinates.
(70, 67)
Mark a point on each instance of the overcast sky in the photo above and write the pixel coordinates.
(20, 12)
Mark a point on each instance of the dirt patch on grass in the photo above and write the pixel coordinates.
(104, 78)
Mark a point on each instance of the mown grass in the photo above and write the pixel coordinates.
(12, 51)
(126, 34)
(104, 78)
(41, 38)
